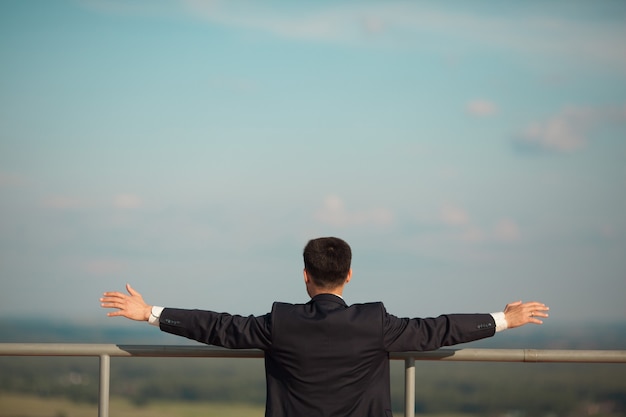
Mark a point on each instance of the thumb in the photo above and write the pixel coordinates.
(131, 290)
(513, 304)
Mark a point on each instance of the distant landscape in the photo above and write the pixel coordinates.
(443, 388)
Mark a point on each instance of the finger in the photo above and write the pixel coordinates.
(536, 305)
(111, 305)
(115, 294)
(113, 300)
(533, 309)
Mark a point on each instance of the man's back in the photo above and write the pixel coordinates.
(327, 358)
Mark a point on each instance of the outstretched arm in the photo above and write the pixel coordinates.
(129, 305)
(518, 313)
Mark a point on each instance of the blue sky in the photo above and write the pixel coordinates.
(471, 153)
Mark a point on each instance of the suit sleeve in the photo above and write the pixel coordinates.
(218, 329)
(421, 334)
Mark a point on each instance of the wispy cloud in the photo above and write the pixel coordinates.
(506, 230)
(409, 24)
(127, 201)
(335, 213)
(567, 130)
(481, 108)
(463, 228)
(452, 215)
(402, 24)
(335, 23)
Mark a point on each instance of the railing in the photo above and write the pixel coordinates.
(105, 352)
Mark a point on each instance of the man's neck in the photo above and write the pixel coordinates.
(338, 291)
(328, 293)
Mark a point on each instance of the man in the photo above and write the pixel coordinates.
(325, 358)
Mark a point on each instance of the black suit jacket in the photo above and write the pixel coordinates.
(325, 358)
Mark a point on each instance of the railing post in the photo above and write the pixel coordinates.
(105, 378)
(409, 387)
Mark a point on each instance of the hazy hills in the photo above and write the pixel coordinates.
(549, 336)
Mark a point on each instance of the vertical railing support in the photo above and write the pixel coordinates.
(105, 378)
(409, 387)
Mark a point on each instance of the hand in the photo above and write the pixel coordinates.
(130, 306)
(518, 313)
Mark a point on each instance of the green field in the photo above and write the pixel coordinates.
(18, 405)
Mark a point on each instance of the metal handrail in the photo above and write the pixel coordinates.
(106, 351)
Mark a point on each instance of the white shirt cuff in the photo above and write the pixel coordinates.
(154, 315)
(500, 320)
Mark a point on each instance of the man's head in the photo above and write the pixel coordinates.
(327, 262)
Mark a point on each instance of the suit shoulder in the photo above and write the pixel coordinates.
(371, 304)
(285, 304)
(282, 306)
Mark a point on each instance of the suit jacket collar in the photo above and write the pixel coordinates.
(328, 298)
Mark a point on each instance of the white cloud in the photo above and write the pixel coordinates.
(567, 130)
(481, 108)
(546, 36)
(334, 212)
(506, 230)
(409, 24)
(452, 215)
(464, 229)
(373, 25)
(562, 132)
(127, 201)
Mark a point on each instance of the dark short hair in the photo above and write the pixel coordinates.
(327, 260)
